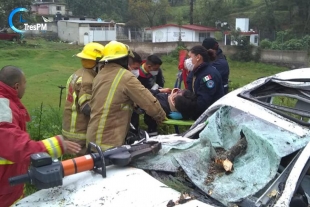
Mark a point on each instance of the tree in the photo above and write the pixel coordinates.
(148, 11)
(210, 11)
(265, 20)
(243, 47)
(110, 9)
(6, 6)
(191, 10)
(175, 2)
(242, 3)
(299, 15)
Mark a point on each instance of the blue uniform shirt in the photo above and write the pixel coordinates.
(206, 82)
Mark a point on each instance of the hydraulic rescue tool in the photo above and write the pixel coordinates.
(45, 173)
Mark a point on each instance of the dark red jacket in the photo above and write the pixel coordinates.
(15, 144)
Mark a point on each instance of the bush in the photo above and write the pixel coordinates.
(45, 122)
(265, 44)
(244, 50)
(286, 41)
(175, 53)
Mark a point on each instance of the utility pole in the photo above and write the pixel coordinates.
(191, 10)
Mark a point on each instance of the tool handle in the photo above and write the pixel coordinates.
(19, 179)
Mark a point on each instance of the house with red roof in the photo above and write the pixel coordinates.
(188, 33)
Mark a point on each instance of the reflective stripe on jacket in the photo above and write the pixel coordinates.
(16, 145)
(78, 93)
(114, 92)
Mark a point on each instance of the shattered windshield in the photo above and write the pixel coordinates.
(253, 169)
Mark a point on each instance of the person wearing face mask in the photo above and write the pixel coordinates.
(78, 93)
(150, 74)
(134, 64)
(204, 80)
(115, 90)
(151, 77)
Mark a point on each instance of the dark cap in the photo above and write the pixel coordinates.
(210, 43)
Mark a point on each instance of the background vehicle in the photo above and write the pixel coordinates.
(5, 35)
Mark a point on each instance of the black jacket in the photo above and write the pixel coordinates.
(222, 66)
(163, 100)
(148, 80)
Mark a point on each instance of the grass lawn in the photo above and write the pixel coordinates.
(48, 65)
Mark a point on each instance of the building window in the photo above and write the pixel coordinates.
(58, 8)
(202, 36)
(255, 39)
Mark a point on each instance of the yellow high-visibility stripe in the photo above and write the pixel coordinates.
(52, 146)
(5, 161)
(85, 97)
(79, 80)
(107, 105)
(73, 135)
(73, 114)
(68, 83)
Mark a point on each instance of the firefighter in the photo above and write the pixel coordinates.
(79, 87)
(115, 90)
(15, 143)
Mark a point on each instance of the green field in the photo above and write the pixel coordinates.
(47, 65)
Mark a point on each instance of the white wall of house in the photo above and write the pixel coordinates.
(54, 8)
(242, 24)
(82, 33)
(254, 39)
(171, 34)
(68, 31)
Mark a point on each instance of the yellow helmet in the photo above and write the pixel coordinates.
(115, 50)
(92, 51)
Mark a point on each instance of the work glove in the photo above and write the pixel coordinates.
(176, 115)
(155, 86)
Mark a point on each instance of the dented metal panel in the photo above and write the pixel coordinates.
(123, 187)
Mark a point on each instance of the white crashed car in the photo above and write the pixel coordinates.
(272, 113)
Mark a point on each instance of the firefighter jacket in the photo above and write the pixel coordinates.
(78, 93)
(16, 145)
(206, 82)
(115, 90)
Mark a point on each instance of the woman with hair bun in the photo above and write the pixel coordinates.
(204, 79)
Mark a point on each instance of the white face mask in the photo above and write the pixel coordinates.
(154, 72)
(135, 72)
(189, 64)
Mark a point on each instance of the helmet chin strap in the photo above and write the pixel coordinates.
(97, 64)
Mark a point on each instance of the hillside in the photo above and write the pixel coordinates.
(265, 16)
